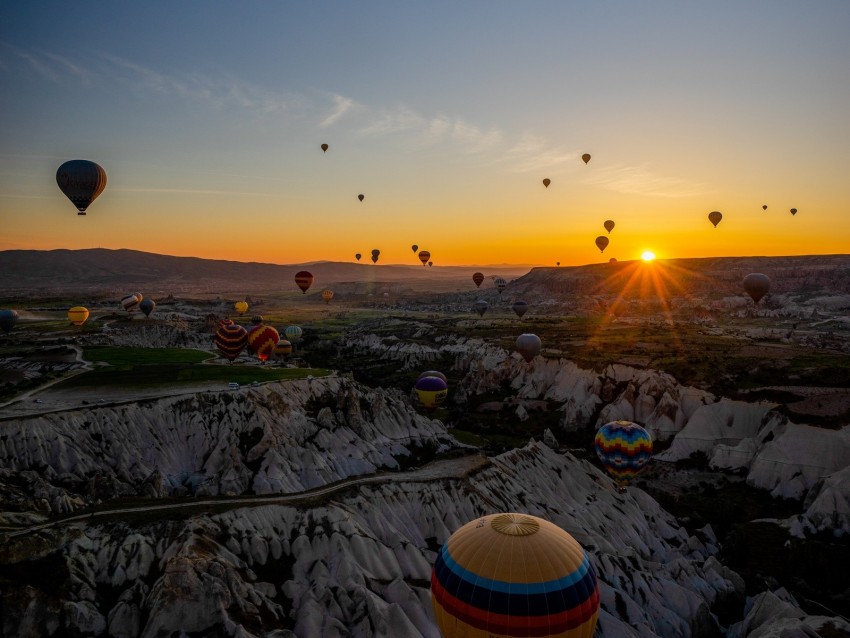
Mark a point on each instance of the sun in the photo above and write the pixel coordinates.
(648, 255)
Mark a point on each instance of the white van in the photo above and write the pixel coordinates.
(233, 385)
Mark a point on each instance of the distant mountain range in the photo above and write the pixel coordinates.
(109, 272)
(100, 270)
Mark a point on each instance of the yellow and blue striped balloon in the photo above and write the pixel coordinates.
(624, 449)
(514, 575)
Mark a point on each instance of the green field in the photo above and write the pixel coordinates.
(142, 356)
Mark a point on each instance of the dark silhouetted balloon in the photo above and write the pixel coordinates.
(424, 256)
(609, 225)
(304, 279)
(430, 263)
(757, 285)
(360, 197)
(546, 182)
(478, 278)
(8, 319)
(357, 256)
(513, 574)
(714, 217)
(81, 181)
(624, 449)
(324, 148)
(528, 345)
(147, 306)
(500, 284)
(764, 207)
(414, 248)
(586, 157)
(602, 243)
(793, 211)
(520, 308)
(480, 307)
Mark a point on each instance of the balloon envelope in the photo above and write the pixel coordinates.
(303, 279)
(360, 197)
(793, 211)
(757, 285)
(357, 256)
(528, 345)
(513, 574)
(480, 307)
(432, 391)
(478, 278)
(602, 243)
(8, 319)
(764, 207)
(520, 308)
(414, 248)
(327, 295)
(293, 333)
(147, 306)
(241, 307)
(81, 181)
(586, 157)
(78, 315)
(230, 338)
(424, 256)
(433, 373)
(609, 225)
(131, 302)
(714, 217)
(283, 349)
(624, 449)
(500, 284)
(324, 148)
(262, 341)
(256, 320)
(546, 182)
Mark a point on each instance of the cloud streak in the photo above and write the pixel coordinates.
(640, 180)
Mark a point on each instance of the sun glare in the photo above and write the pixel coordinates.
(648, 255)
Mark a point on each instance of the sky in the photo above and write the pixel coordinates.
(208, 117)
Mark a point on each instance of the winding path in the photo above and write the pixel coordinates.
(437, 470)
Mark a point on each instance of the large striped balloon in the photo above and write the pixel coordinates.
(131, 301)
(303, 279)
(231, 339)
(262, 340)
(624, 448)
(514, 575)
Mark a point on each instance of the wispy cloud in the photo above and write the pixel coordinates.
(640, 180)
(533, 153)
(386, 121)
(341, 106)
(189, 191)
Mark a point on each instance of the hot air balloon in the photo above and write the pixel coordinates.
(131, 301)
(528, 345)
(303, 279)
(546, 182)
(609, 225)
(764, 207)
(257, 320)
(430, 263)
(432, 391)
(757, 285)
(231, 338)
(327, 295)
(586, 157)
(283, 349)
(624, 449)
(793, 211)
(414, 247)
(361, 196)
(147, 306)
(81, 181)
(433, 373)
(513, 574)
(375, 254)
(500, 284)
(8, 319)
(357, 256)
(293, 333)
(241, 307)
(478, 279)
(520, 308)
(324, 148)
(78, 315)
(602, 243)
(557, 263)
(262, 340)
(480, 307)
(424, 256)
(714, 217)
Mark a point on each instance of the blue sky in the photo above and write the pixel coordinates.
(446, 115)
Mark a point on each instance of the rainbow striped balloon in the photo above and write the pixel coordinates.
(231, 339)
(514, 575)
(624, 448)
